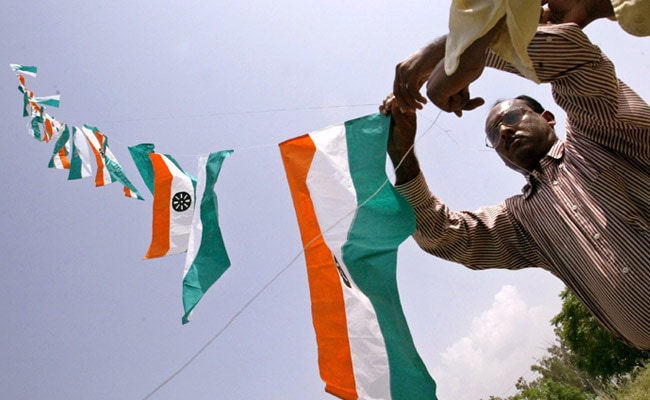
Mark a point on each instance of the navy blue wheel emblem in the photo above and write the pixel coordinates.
(342, 273)
(181, 201)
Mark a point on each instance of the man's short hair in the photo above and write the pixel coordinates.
(532, 103)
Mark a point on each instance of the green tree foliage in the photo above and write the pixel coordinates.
(636, 389)
(558, 377)
(586, 362)
(597, 351)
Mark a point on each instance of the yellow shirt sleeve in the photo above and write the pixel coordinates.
(633, 16)
(471, 19)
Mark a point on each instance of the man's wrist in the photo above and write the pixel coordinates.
(406, 168)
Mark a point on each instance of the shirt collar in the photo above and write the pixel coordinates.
(555, 153)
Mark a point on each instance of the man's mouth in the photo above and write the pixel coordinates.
(514, 138)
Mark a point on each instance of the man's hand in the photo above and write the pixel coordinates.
(581, 12)
(451, 92)
(411, 74)
(456, 102)
(401, 140)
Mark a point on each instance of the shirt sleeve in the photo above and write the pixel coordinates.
(471, 19)
(556, 50)
(487, 238)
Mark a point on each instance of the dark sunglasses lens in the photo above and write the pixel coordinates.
(512, 117)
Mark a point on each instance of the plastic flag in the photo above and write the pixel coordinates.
(351, 222)
(108, 169)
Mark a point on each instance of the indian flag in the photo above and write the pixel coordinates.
(108, 169)
(173, 207)
(80, 167)
(25, 69)
(99, 145)
(52, 127)
(52, 101)
(207, 258)
(351, 222)
(62, 149)
(34, 128)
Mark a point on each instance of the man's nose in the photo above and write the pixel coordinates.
(505, 131)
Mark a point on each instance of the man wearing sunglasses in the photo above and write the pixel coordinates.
(584, 214)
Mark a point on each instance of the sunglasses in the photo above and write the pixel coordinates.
(510, 118)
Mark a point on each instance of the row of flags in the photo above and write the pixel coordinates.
(351, 220)
(185, 210)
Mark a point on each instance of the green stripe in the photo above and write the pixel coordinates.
(26, 105)
(24, 68)
(140, 155)
(48, 101)
(60, 143)
(36, 123)
(370, 253)
(75, 160)
(211, 259)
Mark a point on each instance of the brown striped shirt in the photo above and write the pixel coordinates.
(586, 216)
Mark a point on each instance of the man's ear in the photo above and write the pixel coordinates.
(548, 116)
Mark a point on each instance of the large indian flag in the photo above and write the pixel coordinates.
(351, 222)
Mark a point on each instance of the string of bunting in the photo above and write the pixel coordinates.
(185, 215)
(370, 217)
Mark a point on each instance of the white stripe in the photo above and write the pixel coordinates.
(92, 139)
(196, 232)
(57, 126)
(56, 160)
(180, 223)
(334, 198)
(52, 101)
(83, 152)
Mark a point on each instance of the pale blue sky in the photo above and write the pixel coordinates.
(85, 317)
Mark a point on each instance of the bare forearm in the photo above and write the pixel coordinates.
(401, 140)
(449, 92)
(406, 165)
(413, 72)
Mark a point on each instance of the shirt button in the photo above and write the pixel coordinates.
(625, 270)
(574, 207)
(554, 183)
(597, 236)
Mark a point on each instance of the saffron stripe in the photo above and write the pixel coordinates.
(96, 141)
(328, 307)
(335, 200)
(161, 207)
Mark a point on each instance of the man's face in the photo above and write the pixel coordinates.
(520, 136)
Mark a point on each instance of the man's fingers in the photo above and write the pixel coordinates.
(459, 103)
(407, 98)
(407, 89)
(474, 103)
(386, 106)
